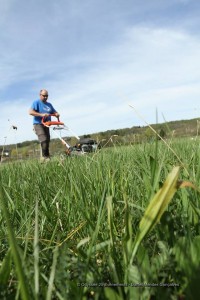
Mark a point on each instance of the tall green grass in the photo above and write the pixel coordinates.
(87, 227)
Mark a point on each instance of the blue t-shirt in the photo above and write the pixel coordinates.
(42, 108)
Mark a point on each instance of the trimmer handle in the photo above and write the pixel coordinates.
(49, 123)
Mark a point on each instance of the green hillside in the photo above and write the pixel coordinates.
(125, 136)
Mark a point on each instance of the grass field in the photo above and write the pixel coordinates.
(103, 226)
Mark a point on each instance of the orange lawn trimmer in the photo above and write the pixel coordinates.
(57, 125)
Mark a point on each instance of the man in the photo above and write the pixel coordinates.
(41, 108)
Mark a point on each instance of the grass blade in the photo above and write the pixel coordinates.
(52, 275)
(36, 252)
(5, 268)
(156, 208)
(14, 248)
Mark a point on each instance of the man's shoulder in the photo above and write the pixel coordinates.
(36, 101)
(36, 105)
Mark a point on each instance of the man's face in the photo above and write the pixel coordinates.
(44, 96)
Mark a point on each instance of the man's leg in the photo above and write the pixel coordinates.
(44, 138)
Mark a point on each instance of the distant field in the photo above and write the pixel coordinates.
(70, 228)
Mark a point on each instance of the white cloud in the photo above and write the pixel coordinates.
(91, 82)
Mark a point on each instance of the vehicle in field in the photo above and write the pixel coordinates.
(4, 155)
(83, 145)
(87, 145)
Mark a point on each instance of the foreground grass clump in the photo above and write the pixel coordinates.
(116, 225)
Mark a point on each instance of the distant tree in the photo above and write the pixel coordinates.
(162, 133)
(87, 136)
(116, 132)
(149, 134)
(13, 153)
(24, 152)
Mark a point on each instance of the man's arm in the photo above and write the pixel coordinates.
(34, 113)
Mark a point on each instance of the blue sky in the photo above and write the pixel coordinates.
(95, 57)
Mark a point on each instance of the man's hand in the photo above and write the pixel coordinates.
(57, 115)
(45, 115)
